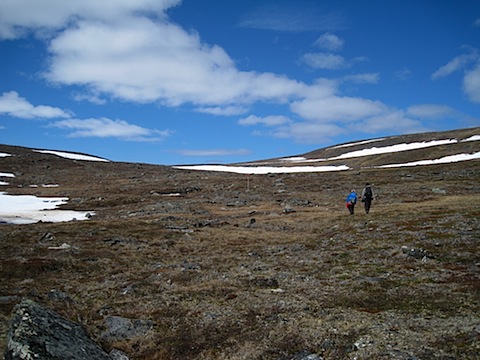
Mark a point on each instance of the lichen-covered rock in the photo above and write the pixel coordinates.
(39, 333)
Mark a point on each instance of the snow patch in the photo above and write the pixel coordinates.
(264, 169)
(72, 156)
(357, 143)
(294, 159)
(394, 148)
(443, 160)
(29, 209)
(472, 138)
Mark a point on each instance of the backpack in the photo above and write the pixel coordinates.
(368, 195)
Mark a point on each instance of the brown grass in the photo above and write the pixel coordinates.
(219, 285)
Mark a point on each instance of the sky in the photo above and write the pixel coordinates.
(216, 82)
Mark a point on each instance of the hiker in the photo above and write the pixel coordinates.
(351, 201)
(367, 197)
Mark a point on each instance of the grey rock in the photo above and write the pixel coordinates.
(12, 299)
(116, 354)
(120, 328)
(417, 253)
(288, 209)
(306, 355)
(58, 295)
(47, 237)
(39, 333)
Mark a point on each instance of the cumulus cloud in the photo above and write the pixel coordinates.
(104, 128)
(50, 15)
(337, 108)
(146, 61)
(326, 114)
(329, 42)
(12, 104)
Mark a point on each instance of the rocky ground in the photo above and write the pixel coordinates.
(201, 265)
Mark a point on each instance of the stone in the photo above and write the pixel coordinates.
(120, 328)
(36, 332)
(306, 355)
(116, 354)
(58, 295)
(288, 210)
(47, 237)
(417, 253)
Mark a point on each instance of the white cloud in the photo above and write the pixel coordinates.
(403, 74)
(395, 121)
(324, 61)
(337, 109)
(12, 104)
(220, 110)
(214, 152)
(431, 111)
(366, 78)
(267, 120)
(329, 42)
(310, 132)
(93, 98)
(146, 61)
(454, 65)
(45, 15)
(470, 63)
(131, 51)
(471, 83)
(332, 115)
(104, 128)
(290, 17)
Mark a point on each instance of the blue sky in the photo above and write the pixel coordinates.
(202, 81)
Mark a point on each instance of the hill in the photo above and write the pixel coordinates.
(233, 266)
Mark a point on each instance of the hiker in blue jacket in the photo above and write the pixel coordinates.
(351, 201)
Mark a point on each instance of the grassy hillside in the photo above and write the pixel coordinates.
(230, 266)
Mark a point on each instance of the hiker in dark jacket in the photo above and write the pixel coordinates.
(351, 201)
(367, 197)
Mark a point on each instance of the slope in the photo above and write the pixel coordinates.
(234, 266)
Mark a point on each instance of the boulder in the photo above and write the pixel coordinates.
(39, 333)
